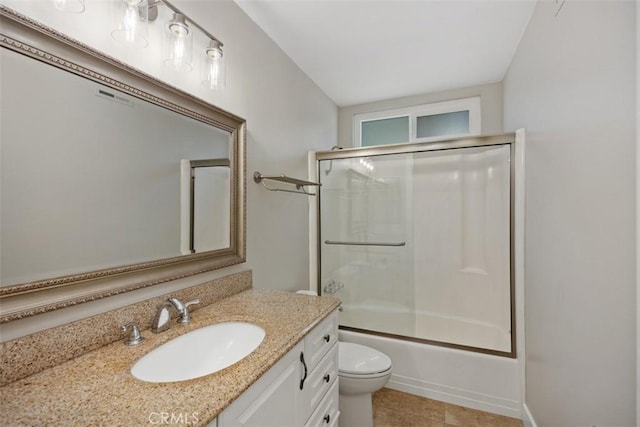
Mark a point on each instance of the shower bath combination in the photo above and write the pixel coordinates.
(417, 241)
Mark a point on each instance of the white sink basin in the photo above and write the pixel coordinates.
(199, 353)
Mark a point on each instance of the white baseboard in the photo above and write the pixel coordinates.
(527, 418)
(456, 396)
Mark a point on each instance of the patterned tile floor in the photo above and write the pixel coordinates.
(393, 408)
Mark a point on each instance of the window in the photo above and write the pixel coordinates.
(393, 130)
(418, 124)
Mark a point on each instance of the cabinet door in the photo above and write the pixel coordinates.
(321, 339)
(273, 401)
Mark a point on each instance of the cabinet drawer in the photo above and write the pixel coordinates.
(320, 340)
(320, 379)
(327, 413)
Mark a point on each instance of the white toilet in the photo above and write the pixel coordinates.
(361, 370)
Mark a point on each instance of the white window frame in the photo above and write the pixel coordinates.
(466, 104)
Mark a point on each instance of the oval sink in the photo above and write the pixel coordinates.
(199, 353)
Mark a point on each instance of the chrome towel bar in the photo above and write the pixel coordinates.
(299, 183)
(348, 243)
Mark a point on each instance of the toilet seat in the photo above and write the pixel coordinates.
(365, 376)
(359, 361)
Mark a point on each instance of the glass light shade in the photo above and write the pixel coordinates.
(130, 20)
(177, 45)
(213, 66)
(69, 6)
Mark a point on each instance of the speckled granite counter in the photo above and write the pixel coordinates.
(98, 389)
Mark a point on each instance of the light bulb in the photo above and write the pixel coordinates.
(130, 23)
(178, 50)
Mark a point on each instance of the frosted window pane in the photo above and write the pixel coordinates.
(385, 131)
(443, 124)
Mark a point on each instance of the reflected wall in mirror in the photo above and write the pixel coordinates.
(99, 193)
(96, 184)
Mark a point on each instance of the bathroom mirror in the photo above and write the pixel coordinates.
(99, 192)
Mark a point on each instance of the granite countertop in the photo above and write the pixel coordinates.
(97, 388)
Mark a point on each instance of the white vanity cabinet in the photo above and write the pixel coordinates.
(300, 390)
(321, 358)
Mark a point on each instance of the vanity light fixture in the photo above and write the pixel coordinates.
(130, 20)
(178, 47)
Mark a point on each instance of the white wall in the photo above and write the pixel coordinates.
(571, 85)
(490, 101)
(287, 115)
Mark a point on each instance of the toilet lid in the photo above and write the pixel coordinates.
(360, 360)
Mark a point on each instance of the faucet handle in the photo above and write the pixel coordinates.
(185, 317)
(134, 338)
(192, 302)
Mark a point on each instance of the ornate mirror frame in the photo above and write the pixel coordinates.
(25, 36)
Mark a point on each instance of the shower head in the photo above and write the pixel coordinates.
(335, 147)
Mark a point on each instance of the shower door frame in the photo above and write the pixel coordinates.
(507, 139)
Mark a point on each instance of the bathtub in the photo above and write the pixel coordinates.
(474, 380)
(393, 318)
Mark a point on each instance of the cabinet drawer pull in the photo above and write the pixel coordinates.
(327, 418)
(305, 371)
(327, 337)
(327, 378)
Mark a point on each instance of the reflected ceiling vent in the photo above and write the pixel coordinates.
(113, 96)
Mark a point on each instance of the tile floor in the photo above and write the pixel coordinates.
(393, 408)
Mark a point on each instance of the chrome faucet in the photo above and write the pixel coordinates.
(162, 321)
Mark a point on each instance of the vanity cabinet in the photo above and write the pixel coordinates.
(301, 389)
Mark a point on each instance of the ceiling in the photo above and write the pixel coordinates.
(360, 51)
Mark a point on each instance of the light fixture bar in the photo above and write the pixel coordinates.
(191, 21)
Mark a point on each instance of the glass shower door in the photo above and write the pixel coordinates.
(417, 245)
(365, 257)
